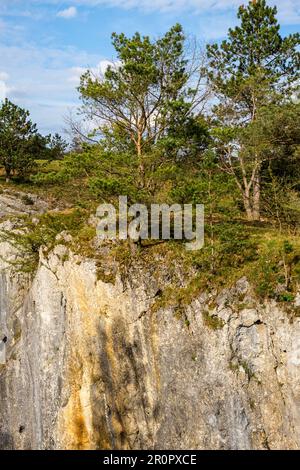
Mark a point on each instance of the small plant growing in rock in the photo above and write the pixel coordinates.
(212, 321)
(27, 200)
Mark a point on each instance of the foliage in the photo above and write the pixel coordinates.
(31, 235)
(153, 141)
(278, 269)
(21, 144)
(253, 69)
(18, 139)
(212, 321)
(145, 103)
(255, 64)
(56, 147)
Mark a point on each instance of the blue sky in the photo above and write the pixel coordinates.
(46, 45)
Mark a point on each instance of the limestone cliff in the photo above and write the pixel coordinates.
(88, 364)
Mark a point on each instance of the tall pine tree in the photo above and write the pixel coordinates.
(18, 139)
(252, 69)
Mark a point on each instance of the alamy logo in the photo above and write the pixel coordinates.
(159, 222)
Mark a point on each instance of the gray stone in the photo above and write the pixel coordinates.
(90, 365)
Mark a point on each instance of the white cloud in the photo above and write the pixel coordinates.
(44, 80)
(99, 69)
(4, 89)
(75, 74)
(2, 27)
(44, 86)
(68, 13)
(289, 10)
(215, 27)
(102, 66)
(4, 76)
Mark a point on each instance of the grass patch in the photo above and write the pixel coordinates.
(212, 321)
(30, 236)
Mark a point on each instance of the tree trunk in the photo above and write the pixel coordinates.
(141, 161)
(7, 174)
(251, 200)
(247, 204)
(256, 198)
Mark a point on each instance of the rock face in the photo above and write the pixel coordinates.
(88, 364)
(12, 203)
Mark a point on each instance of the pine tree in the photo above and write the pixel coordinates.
(145, 99)
(253, 68)
(18, 138)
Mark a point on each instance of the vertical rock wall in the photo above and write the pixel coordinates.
(89, 365)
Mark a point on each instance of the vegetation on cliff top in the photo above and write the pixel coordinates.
(172, 124)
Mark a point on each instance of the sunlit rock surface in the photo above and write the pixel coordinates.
(86, 364)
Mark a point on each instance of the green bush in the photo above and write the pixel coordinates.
(31, 236)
